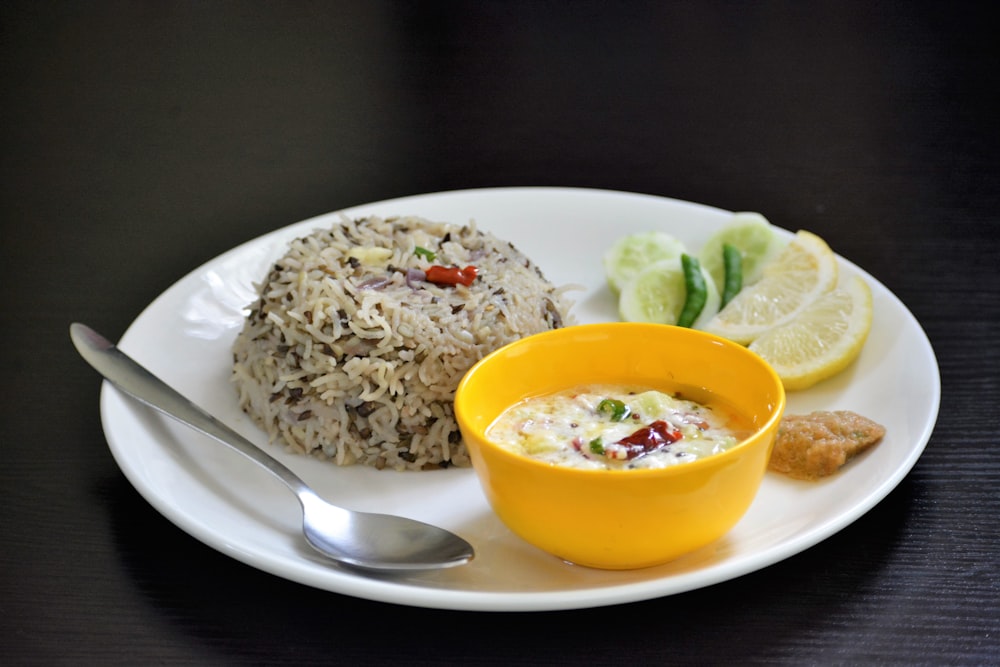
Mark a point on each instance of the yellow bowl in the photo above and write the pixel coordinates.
(620, 519)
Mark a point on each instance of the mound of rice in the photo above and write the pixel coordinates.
(353, 355)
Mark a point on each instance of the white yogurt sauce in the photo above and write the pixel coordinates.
(616, 427)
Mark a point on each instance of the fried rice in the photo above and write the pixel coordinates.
(362, 332)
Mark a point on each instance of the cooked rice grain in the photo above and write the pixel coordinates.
(351, 355)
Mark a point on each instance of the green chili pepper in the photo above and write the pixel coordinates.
(732, 260)
(615, 408)
(697, 292)
(596, 446)
(429, 255)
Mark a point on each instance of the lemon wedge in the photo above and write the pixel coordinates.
(805, 270)
(823, 339)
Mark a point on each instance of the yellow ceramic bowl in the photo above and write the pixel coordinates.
(620, 519)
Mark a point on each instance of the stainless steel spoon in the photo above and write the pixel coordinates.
(364, 540)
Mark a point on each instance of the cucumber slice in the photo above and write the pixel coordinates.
(658, 293)
(631, 254)
(756, 239)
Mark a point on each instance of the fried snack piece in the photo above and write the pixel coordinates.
(818, 444)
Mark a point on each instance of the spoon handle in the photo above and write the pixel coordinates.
(132, 378)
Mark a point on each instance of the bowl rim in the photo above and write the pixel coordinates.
(775, 415)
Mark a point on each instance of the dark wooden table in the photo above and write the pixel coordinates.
(139, 140)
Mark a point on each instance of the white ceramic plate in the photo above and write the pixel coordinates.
(214, 494)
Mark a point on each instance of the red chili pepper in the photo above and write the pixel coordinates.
(451, 275)
(650, 438)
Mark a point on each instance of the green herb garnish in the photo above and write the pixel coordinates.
(615, 408)
(732, 260)
(429, 255)
(697, 294)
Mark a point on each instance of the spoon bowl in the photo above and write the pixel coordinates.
(369, 541)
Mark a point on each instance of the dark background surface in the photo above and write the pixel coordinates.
(140, 140)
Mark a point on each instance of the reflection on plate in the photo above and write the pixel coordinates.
(185, 335)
